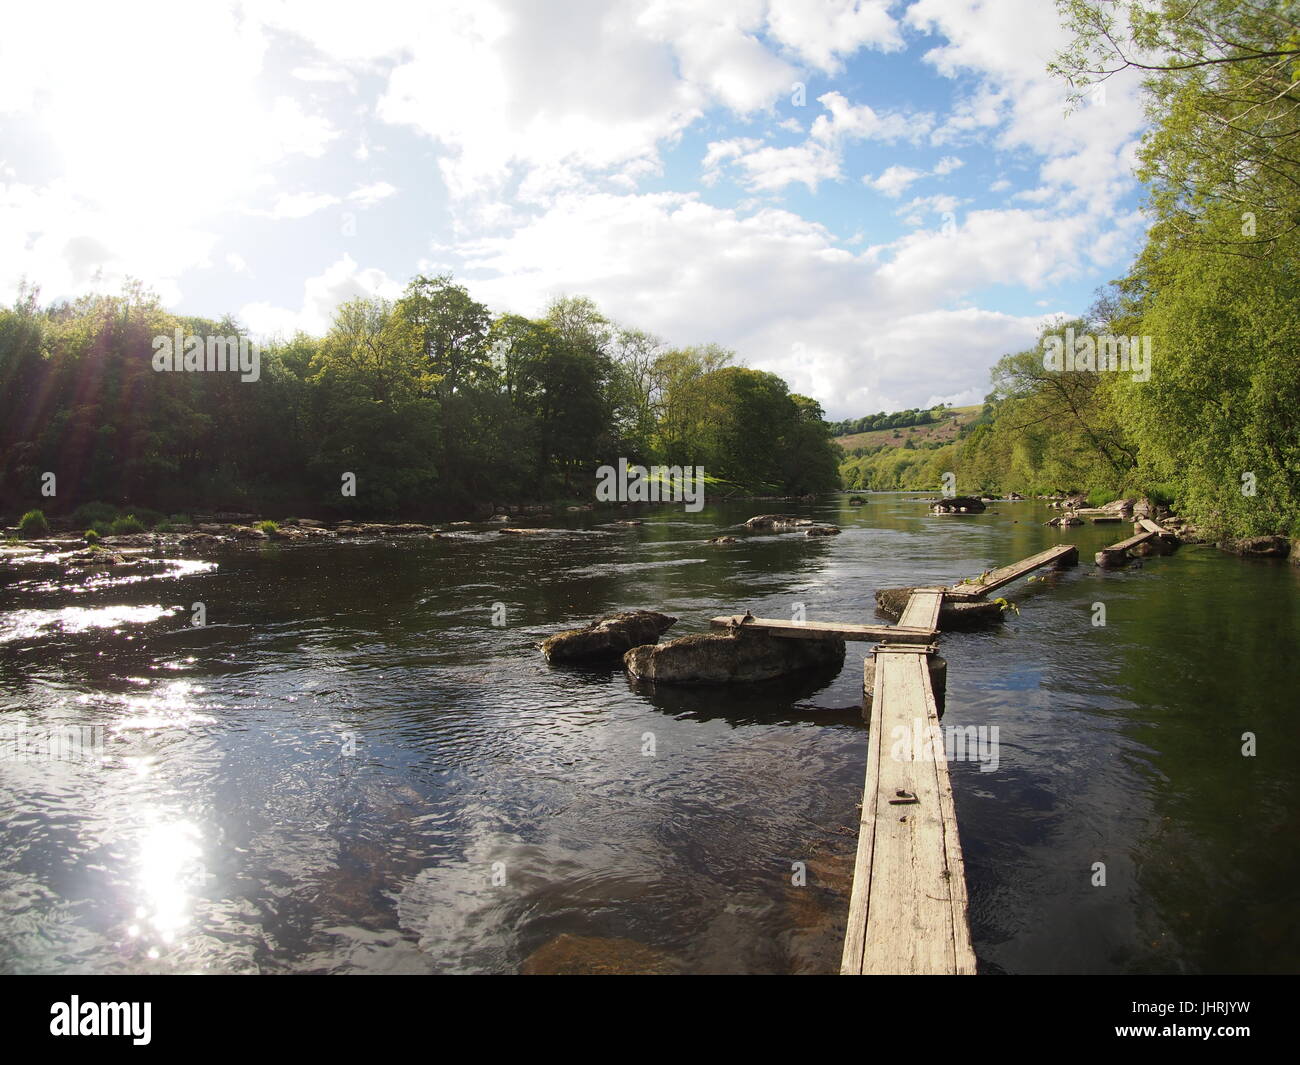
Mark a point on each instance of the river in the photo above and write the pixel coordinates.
(350, 768)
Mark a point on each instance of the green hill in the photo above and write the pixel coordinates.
(942, 432)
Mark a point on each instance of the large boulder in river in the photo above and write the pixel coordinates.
(607, 638)
(734, 657)
(958, 505)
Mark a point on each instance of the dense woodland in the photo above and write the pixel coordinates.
(884, 420)
(1216, 288)
(431, 401)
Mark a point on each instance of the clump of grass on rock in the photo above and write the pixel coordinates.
(33, 524)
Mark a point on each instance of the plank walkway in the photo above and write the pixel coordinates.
(908, 912)
(1132, 541)
(922, 611)
(822, 630)
(1063, 554)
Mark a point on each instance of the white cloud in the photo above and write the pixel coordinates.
(856, 331)
(343, 280)
(820, 157)
(1002, 47)
(298, 205)
(824, 32)
(894, 180)
(369, 195)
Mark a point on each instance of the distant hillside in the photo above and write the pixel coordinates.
(941, 432)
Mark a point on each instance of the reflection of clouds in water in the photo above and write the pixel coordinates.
(460, 916)
(24, 624)
(43, 933)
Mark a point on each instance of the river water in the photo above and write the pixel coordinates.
(351, 768)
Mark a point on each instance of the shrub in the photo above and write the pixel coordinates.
(1162, 495)
(1098, 498)
(127, 524)
(148, 518)
(267, 527)
(95, 515)
(90, 536)
(33, 524)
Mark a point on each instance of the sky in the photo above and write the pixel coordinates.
(873, 199)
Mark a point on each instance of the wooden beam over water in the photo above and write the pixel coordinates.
(822, 630)
(908, 911)
(922, 610)
(1153, 527)
(1060, 555)
(1132, 541)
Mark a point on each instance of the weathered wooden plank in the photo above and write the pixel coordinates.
(922, 611)
(1132, 541)
(1061, 554)
(1153, 527)
(908, 910)
(855, 934)
(822, 630)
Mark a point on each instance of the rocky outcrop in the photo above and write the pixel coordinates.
(607, 638)
(957, 505)
(778, 523)
(1186, 532)
(1065, 520)
(1259, 547)
(734, 657)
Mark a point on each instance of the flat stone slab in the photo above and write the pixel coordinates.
(736, 657)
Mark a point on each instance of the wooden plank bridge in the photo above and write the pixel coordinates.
(908, 911)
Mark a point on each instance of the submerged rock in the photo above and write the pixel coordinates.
(823, 530)
(607, 638)
(730, 658)
(723, 540)
(570, 955)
